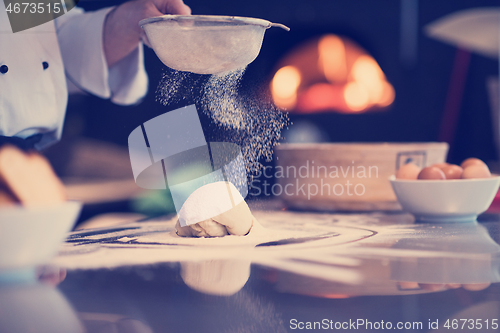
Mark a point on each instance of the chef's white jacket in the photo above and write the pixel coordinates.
(33, 99)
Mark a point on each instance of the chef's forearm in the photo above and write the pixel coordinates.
(121, 34)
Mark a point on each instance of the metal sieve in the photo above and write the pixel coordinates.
(206, 44)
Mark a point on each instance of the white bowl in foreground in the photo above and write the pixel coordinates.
(455, 200)
(31, 236)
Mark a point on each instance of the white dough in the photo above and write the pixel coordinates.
(210, 201)
(238, 221)
(207, 228)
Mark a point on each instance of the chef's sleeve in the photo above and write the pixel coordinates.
(80, 37)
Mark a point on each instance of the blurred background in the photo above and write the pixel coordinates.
(348, 71)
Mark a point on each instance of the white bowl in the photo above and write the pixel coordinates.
(455, 200)
(31, 236)
(37, 308)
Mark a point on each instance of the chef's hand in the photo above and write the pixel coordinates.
(121, 29)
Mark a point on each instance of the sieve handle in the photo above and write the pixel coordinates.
(278, 25)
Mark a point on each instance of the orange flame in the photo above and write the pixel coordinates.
(284, 86)
(345, 79)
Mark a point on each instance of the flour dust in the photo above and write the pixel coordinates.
(244, 117)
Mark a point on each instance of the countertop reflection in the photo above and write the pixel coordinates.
(402, 272)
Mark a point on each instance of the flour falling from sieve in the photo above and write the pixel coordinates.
(221, 99)
(245, 118)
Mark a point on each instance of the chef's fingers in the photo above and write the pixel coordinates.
(150, 9)
(177, 7)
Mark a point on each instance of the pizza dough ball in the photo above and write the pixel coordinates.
(207, 228)
(238, 220)
(221, 209)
